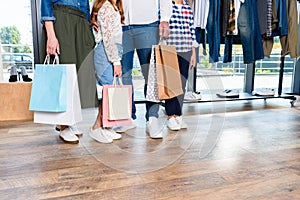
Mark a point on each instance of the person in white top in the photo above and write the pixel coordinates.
(145, 22)
(107, 56)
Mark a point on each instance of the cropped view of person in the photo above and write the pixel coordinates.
(72, 43)
(108, 15)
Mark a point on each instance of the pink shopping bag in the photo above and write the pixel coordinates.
(116, 98)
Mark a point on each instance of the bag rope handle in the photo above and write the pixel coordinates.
(55, 60)
(119, 81)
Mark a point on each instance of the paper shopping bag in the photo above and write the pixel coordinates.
(116, 105)
(168, 73)
(152, 88)
(73, 113)
(49, 87)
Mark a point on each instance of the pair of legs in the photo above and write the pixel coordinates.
(173, 106)
(139, 38)
(104, 75)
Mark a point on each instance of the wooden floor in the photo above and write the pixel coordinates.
(236, 150)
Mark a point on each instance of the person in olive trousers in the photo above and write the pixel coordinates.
(67, 32)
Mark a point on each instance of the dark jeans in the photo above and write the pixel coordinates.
(139, 38)
(249, 31)
(213, 30)
(174, 106)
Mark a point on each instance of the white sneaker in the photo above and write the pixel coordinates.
(74, 128)
(229, 93)
(68, 136)
(153, 128)
(173, 124)
(76, 131)
(112, 134)
(100, 135)
(122, 129)
(264, 92)
(181, 123)
(192, 96)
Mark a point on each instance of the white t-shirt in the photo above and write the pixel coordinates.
(146, 11)
(201, 9)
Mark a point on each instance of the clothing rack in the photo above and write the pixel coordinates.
(247, 90)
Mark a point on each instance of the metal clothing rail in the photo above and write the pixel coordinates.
(247, 91)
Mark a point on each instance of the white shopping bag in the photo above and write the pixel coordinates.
(152, 87)
(73, 113)
(118, 103)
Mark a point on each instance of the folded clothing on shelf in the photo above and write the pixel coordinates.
(229, 93)
(264, 92)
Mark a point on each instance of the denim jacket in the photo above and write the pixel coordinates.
(47, 9)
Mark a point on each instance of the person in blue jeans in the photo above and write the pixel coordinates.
(145, 22)
(108, 37)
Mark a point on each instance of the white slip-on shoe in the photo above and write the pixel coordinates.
(173, 124)
(100, 135)
(122, 129)
(76, 131)
(112, 134)
(182, 123)
(68, 136)
(74, 128)
(154, 129)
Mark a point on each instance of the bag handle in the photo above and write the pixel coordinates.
(119, 81)
(55, 60)
(162, 41)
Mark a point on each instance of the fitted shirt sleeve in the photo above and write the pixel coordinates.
(47, 11)
(165, 10)
(106, 18)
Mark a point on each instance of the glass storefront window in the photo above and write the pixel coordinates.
(16, 46)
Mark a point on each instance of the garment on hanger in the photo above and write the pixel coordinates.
(201, 9)
(289, 42)
(249, 32)
(284, 25)
(230, 14)
(213, 30)
(248, 27)
(263, 14)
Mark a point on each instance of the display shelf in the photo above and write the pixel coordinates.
(210, 98)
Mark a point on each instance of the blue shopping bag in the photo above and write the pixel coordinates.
(49, 88)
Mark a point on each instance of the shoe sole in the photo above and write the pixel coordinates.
(69, 142)
(123, 131)
(160, 137)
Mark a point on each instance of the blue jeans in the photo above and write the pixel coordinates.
(249, 30)
(228, 49)
(213, 30)
(139, 38)
(103, 67)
